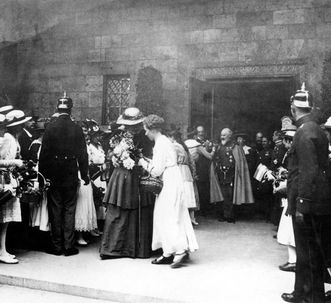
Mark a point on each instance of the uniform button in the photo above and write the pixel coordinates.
(301, 201)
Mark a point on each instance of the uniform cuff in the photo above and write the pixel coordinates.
(303, 205)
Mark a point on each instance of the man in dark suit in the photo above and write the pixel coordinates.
(308, 200)
(62, 154)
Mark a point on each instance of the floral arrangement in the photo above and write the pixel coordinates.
(124, 150)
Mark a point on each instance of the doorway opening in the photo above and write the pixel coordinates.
(249, 104)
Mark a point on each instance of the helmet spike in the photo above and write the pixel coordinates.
(303, 87)
(64, 94)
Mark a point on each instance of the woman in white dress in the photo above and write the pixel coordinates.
(85, 216)
(9, 157)
(186, 168)
(172, 228)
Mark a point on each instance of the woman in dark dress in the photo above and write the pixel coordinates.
(129, 217)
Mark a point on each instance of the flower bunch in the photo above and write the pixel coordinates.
(123, 150)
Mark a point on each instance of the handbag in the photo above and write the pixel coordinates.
(151, 184)
(5, 195)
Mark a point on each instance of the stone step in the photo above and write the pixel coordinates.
(75, 290)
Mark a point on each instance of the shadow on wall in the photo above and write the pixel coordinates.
(149, 91)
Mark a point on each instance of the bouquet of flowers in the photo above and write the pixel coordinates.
(124, 150)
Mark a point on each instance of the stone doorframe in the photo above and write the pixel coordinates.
(290, 68)
(283, 69)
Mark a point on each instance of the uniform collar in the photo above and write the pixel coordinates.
(303, 120)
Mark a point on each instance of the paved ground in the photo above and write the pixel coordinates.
(235, 263)
(12, 294)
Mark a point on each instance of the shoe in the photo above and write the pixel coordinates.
(53, 251)
(71, 251)
(195, 223)
(7, 259)
(81, 242)
(287, 267)
(179, 262)
(292, 297)
(163, 260)
(328, 296)
(95, 233)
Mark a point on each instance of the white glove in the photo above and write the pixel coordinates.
(269, 175)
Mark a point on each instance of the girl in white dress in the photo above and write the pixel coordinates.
(85, 216)
(185, 165)
(97, 160)
(285, 235)
(172, 228)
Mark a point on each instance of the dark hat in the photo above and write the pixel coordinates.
(131, 116)
(92, 127)
(16, 117)
(64, 102)
(241, 134)
(302, 98)
(39, 125)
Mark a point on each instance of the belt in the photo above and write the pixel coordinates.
(64, 157)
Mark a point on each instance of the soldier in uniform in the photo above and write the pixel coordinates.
(62, 154)
(308, 200)
(279, 150)
(231, 166)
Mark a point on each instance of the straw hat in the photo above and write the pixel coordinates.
(16, 117)
(131, 116)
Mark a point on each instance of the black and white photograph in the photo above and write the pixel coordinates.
(165, 151)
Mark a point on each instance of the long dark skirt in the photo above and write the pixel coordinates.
(123, 236)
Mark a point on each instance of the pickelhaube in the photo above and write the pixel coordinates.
(64, 102)
(302, 98)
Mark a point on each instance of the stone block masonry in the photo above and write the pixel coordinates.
(78, 45)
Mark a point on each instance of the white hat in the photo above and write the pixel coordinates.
(289, 133)
(6, 109)
(16, 117)
(131, 116)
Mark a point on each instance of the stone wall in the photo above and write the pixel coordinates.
(80, 41)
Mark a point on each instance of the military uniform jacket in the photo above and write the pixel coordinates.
(307, 187)
(225, 163)
(63, 152)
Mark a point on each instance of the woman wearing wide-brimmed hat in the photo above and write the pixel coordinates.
(10, 211)
(128, 223)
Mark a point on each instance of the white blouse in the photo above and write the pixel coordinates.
(164, 156)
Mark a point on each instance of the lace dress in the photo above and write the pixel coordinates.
(9, 150)
(85, 217)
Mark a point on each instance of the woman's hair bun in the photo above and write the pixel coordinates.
(154, 122)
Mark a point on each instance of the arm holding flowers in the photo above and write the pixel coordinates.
(157, 165)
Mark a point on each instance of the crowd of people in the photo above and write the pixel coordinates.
(138, 185)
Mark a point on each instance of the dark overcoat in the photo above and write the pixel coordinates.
(63, 152)
(307, 185)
